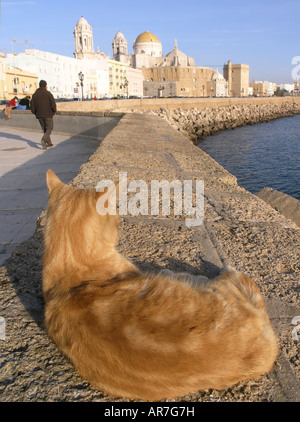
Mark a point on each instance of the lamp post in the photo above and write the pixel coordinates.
(125, 86)
(15, 79)
(81, 77)
(160, 91)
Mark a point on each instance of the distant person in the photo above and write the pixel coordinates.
(12, 104)
(24, 102)
(43, 106)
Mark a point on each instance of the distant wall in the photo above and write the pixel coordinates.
(94, 125)
(169, 103)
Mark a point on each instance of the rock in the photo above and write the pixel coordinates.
(200, 124)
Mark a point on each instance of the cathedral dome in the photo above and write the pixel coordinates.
(148, 43)
(218, 77)
(176, 53)
(147, 37)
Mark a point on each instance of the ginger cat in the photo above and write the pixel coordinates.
(144, 336)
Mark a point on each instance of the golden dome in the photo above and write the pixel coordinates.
(147, 37)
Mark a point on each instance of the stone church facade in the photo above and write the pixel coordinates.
(176, 74)
(173, 74)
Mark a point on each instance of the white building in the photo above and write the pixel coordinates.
(61, 73)
(102, 77)
(271, 88)
(221, 85)
(287, 87)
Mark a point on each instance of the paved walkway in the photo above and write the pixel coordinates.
(23, 165)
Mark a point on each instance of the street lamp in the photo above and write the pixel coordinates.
(15, 79)
(125, 85)
(160, 91)
(81, 77)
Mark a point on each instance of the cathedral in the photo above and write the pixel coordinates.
(147, 52)
(147, 49)
(173, 74)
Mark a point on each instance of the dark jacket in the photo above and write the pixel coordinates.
(43, 104)
(25, 102)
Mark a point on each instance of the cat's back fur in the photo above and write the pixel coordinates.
(144, 336)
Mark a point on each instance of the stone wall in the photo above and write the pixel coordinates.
(88, 124)
(147, 104)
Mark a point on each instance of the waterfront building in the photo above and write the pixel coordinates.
(103, 77)
(259, 88)
(237, 76)
(15, 82)
(271, 88)
(191, 81)
(61, 73)
(144, 72)
(175, 74)
(19, 83)
(286, 87)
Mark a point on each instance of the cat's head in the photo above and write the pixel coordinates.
(73, 221)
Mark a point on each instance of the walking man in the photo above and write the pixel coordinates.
(43, 106)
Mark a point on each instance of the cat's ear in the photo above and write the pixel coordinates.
(52, 180)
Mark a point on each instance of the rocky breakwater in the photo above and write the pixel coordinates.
(198, 124)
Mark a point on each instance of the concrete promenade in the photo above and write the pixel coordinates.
(238, 229)
(23, 165)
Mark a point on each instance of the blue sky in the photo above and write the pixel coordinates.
(264, 34)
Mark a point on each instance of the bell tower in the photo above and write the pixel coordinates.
(120, 48)
(83, 34)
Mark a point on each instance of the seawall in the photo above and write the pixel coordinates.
(87, 124)
(196, 118)
(197, 124)
(148, 104)
(238, 229)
